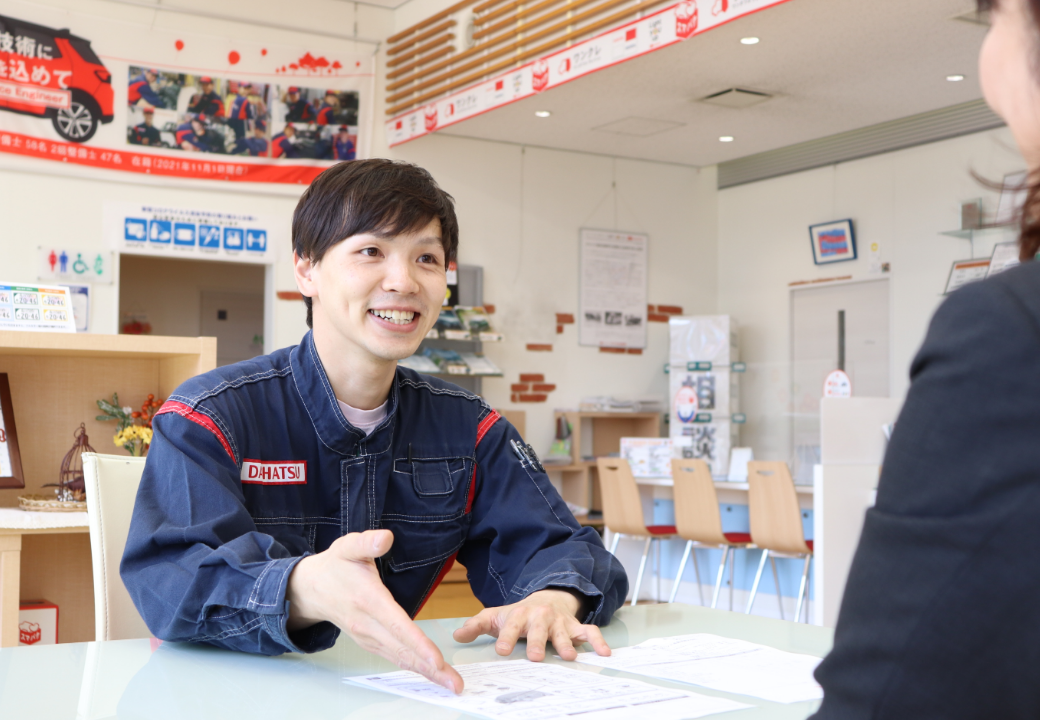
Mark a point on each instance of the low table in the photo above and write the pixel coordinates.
(146, 679)
(14, 524)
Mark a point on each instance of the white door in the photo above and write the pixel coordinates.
(236, 320)
(815, 351)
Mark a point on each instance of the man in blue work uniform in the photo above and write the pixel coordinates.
(207, 102)
(342, 145)
(329, 109)
(145, 133)
(242, 111)
(140, 88)
(282, 143)
(256, 146)
(191, 135)
(323, 488)
(298, 109)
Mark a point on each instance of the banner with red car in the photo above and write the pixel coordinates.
(649, 33)
(91, 92)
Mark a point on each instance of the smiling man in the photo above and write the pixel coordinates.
(323, 488)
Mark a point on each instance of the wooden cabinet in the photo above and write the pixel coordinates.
(56, 379)
(597, 434)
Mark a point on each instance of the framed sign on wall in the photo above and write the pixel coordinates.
(833, 242)
(10, 459)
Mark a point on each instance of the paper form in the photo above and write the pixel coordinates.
(733, 666)
(524, 690)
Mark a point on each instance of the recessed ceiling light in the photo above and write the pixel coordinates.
(954, 78)
(726, 138)
(749, 41)
(542, 113)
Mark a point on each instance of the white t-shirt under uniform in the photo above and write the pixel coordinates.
(364, 420)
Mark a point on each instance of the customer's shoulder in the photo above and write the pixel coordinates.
(224, 381)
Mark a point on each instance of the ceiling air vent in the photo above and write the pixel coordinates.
(736, 98)
(638, 127)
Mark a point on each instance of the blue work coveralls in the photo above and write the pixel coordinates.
(253, 467)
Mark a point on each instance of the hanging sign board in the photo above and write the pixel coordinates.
(648, 34)
(837, 385)
(91, 95)
(192, 234)
(38, 308)
(613, 291)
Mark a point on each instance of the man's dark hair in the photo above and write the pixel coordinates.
(378, 196)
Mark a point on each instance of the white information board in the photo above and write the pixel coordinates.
(194, 234)
(613, 294)
(38, 308)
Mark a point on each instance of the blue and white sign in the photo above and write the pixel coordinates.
(209, 237)
(256, 240)
(159, 231)
(204, 234)
(184, 234)
(135, 229)
(233, 239)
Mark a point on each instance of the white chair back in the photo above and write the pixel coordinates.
(111, 485)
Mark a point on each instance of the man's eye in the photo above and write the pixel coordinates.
(370, 251)
(428, 259)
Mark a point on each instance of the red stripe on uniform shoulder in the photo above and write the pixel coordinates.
(172, 406)
(440, 576)
(482, 430)
(486, 424)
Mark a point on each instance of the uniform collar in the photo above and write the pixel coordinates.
(312, 383)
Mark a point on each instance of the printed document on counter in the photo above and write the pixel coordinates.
(718, 663)
(520, 689)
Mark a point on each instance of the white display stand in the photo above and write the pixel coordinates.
(852, 447)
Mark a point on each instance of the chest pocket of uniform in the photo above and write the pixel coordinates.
(437, 478)
(426, 509)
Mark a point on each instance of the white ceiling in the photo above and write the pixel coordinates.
(835, 65)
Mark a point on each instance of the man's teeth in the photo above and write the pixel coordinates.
(398, 317)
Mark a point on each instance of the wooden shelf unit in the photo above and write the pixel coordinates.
(56, 379)
(597, 434)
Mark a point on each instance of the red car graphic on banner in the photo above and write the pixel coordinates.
(53, 74)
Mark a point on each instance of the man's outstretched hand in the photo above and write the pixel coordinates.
(541, 616)
(342, 586)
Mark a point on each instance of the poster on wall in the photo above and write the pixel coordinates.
(86, 91)
(36, 308)
(613, 293)
(191, 234)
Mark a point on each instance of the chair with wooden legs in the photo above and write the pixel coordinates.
(623, 511)
(776, 526)
(699, 523)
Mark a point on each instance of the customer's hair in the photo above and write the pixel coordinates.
(1029, 220)
(377, 196)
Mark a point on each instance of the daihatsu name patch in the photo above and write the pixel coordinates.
(267, 472)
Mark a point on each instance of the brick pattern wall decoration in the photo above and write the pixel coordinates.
(661, 313)
(532, 388)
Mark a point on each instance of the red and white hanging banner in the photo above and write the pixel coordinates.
(631, 40)
(108, 95)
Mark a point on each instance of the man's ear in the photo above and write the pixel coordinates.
(304, 270)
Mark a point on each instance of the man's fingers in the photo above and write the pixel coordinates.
(510, 633)
(592, 635)
(482, 623)
(405, 645)
(364, 546)
(537, 636)
(561, 638)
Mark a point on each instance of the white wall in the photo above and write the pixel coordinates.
(901, 200)
(520, 210)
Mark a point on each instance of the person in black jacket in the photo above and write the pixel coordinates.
(941, 613)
